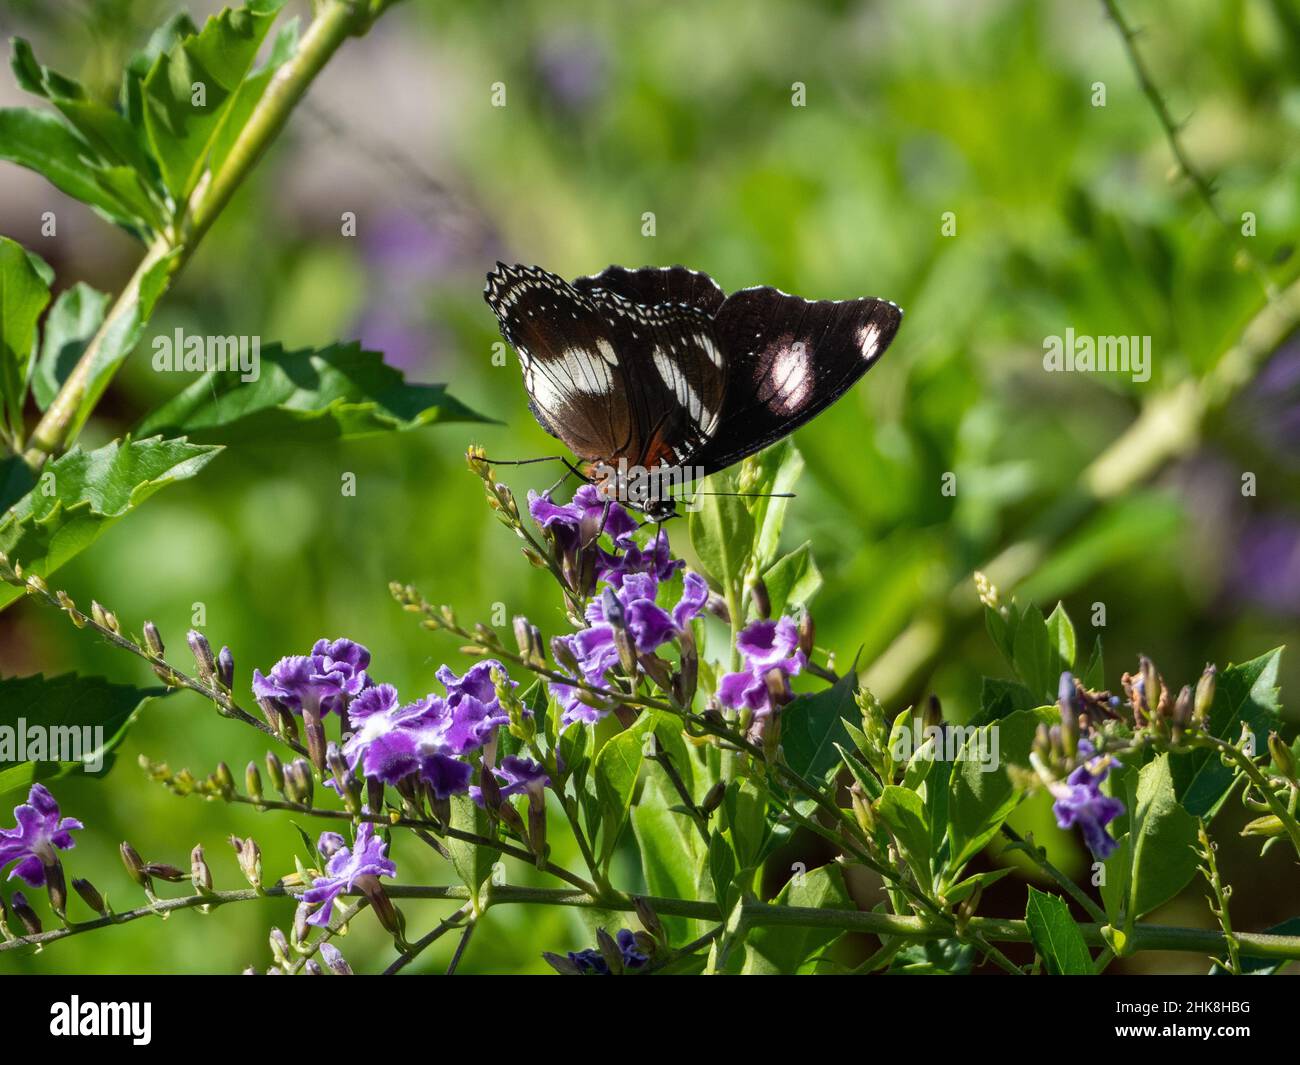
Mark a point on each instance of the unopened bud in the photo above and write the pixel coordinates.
(225, 781)
(275, 770)
(561, 964)
(135, 865)
(759, 597)
(104, 618)
(334, 959)
(564, 656)
(609, 950)
(200, 874)
(90, 896)
(279, 947)
(1204, 697)
(24, 912)
(203, 658)
(163, 871)
(250, 859)
(56, 887)
(649, 919)
(713, 798)
(226, 668)
(153, 639)
(253, 781)
(807, 633)
(299, 783)
(1283, 759)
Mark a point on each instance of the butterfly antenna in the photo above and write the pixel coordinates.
(750, 495)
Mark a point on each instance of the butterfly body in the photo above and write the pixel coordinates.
(656, 374)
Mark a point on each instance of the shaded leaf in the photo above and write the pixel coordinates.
(811, 725)
(24, 293)
(771, 949)
(72, 321)
(1056, 937)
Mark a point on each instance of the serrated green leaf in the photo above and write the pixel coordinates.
(472, 861)
(67, 709)
(80, 494)
(1038, 654)
(190, 88)
(43, 142)
(1060, 637)
(811, 725)
(337, 392)
(1056, 937)
(1245, 694)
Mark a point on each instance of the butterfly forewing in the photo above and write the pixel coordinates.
(787, 360)
(653, 285)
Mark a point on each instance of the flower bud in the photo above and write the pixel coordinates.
(153, 639)
(564, 656)
(24, 912)
(1067, 700)
(164, 872)
(388, 915)
(759, 597)
(225, 781)
(561, 964)
(135, 866)
(56, 887)
(104, 618)
(529, 638)
(334, 960)
(713, 799)
(253, 781)
(1283, 759)
(807, 633)
(311, 967)
(609, 950)
(200, 874)
(275, 770)
(250, 859)
(279, 947)
(298, 782)
(490, 790)
(226, 668)
(537, 826)
(89, 895)
(203, 659)
(1268, 825)
(649, 919)
(687, 678)
(1204, 697)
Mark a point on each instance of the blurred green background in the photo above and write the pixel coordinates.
(1067, 216)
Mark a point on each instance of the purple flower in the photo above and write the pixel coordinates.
(515, 775)
(591, 962)
(576, 523)
(654, 559)
(476, 683)
(327, 679)
(764, 646)
(39, 831)
(385, 745)
(1080, 802)
(330, 843)
(366, 857)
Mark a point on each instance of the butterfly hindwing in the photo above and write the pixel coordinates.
(788, 359)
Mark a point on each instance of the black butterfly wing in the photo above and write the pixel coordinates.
(608, 377)
(651, 286)
(788, 359)
(578, 388)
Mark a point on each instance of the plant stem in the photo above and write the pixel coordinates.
(1039, 857)
(335, 21)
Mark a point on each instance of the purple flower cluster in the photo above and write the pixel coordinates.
(1080, 802)
(345, 869)
(764, 646)
(628, 580)
(327, 680)
(432, 736)
(39, 833)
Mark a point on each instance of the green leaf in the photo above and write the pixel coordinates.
(340, 391)
(182, 128)
(937, 957)
(671, 850)
(473, 861)
(80, 494)
(792, 581)
(1056, 937)
(1093, 676)
(44, 143)
(722, 871)
(811, 725)
(1038, 654)
(904, 812)
(72, 321)
(981, 794)
(250, 92)
(1243, 694)
(722, 533)
(616, 768)
(84, 717)
(23, 296)
(773, 949)
(744, 816)
(998, 698)
(769, 474)
(1157, 856)
(1060, 638)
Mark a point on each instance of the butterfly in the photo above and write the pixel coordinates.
(656, 369)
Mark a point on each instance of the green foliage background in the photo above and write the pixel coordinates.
(1066, 217)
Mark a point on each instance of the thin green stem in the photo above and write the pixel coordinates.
(1039, 857)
